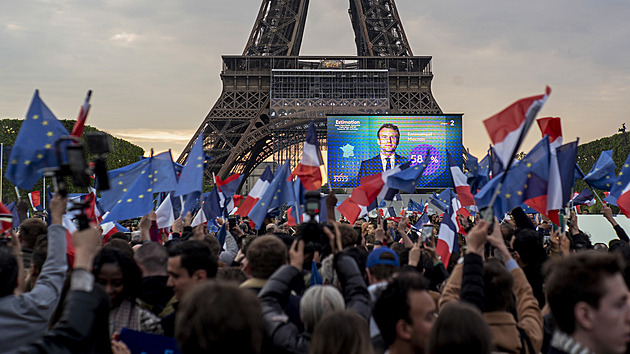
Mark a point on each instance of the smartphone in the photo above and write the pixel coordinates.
(427, 233)
(232, 222)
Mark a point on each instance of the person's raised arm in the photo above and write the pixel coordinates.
(527, 310)
(621, 233)
(274, 297)
(472, 288)
(331, 204)
(402, 229)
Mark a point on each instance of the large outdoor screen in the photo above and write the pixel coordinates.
(355, 150)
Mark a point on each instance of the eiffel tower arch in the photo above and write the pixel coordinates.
(270, 92)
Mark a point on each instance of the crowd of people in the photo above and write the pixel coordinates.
(515, 286)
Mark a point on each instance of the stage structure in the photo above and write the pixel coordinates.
(270, 93)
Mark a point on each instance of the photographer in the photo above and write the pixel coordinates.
(315, 302)
(23, 318)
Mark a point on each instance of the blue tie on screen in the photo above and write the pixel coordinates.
(388, 164)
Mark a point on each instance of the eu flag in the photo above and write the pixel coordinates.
(414, 206)
(191, 179)
(526, 180)
(602, 175)
(159, 170)
(620, 183)
(407, 179)
(34, 146)
(137, 199)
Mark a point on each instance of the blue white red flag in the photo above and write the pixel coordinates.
(257, 191)
(279, 192)
(508, 127)
(619, 193)
(447, 237)
(35, 200)
(308, 170)
(77, 130)
(459, 180)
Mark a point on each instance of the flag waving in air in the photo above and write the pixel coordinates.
(35, 146)
(620, 193)
(257, 191)
(77, 130)
(602, 175)
(280, 191)
(508, 127)
(552, 202)
(459, 179)
(308, 170)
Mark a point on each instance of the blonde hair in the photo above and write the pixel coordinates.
(318, 300)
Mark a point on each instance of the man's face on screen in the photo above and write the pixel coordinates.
(388, 141)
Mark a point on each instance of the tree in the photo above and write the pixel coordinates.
(122, 153)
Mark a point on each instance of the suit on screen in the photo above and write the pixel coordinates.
(375, 165)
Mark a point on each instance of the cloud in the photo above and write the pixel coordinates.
(157, 64)
(125, 37)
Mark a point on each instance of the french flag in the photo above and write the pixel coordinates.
(585, 197)
(308, 170)
(165, 216)
(228, 186)
(110, 228)
(623, 202)
(552, 127)
(621, 190)
(229, 199)
(36, 201)
(461, 186)
(6, 218)
(256, 192)
(70, 229)
(508, 127)
(447, 237)
(77, 130)
(363, 198)
(200, 218)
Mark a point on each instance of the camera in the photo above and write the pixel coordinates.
(311, 203)
(72, 163)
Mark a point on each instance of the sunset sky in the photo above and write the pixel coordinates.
(154, 65)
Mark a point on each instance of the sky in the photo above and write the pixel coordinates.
(154, 66)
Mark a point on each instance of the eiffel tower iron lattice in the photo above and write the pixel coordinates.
(270, 93)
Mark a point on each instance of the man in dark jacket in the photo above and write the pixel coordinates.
(284, 335)
(154, 294)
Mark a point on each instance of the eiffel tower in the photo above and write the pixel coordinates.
(270, 92)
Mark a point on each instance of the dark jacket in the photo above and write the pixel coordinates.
(375, 165)
(83, 328)
(156, 296)
(274, 296)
